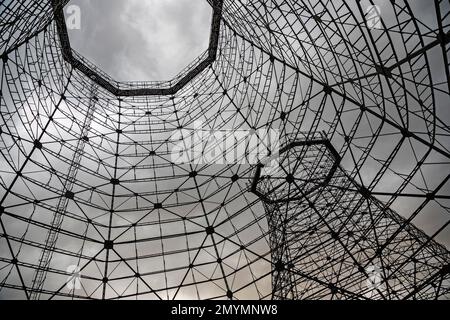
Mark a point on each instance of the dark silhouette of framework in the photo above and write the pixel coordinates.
(358, 208)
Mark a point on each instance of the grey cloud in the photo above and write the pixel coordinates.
(142, 40)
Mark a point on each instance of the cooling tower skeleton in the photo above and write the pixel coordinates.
(359, 207)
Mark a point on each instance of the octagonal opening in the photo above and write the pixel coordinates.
(139, 40)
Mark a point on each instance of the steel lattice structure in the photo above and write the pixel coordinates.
(360, 205)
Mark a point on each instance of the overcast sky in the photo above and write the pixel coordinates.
(136, 40)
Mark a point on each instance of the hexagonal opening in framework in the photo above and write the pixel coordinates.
(139, 40)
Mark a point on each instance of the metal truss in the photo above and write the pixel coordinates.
(358, 209)
(322, 221)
